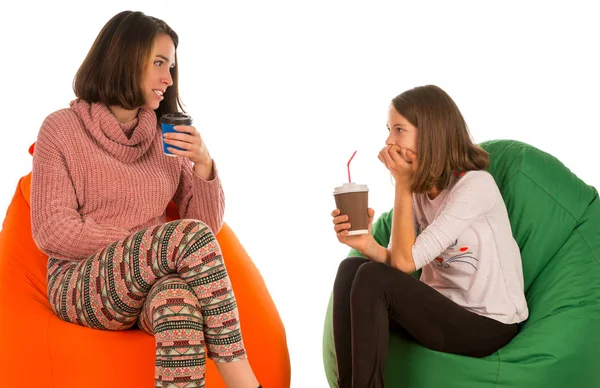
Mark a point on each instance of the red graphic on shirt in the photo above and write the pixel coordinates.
(464, 256)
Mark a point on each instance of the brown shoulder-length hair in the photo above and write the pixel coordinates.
(113, 69)
(444, 145)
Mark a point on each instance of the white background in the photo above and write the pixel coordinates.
(284, 92)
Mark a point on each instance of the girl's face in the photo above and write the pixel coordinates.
(402, 133)
(157, 76)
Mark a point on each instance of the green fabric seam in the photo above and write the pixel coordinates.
(584, 239)
(566, 211)
(529, 321)
(499, 367)
(549, 194)
(510, 175)
(587, 245)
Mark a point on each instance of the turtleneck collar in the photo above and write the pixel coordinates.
(126, 142)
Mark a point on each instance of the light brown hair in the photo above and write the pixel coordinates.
(113, 69)
(444, 145)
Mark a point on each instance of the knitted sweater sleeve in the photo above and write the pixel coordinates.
(200, 199)
(58, 229)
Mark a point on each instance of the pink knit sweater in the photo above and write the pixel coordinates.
(96, 181)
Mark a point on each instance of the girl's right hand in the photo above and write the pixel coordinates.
(341, 226)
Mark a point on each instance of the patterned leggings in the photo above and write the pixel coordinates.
(172, 281)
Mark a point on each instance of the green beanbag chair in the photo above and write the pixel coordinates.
(555, 218)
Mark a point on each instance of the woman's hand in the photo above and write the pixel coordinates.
(188, 138)
(394, 159)
(359, 242)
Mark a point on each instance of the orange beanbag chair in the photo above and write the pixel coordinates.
(37, 349)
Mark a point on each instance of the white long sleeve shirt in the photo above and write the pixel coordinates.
(466, 248)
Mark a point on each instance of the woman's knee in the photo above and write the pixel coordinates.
(190, 224)
(169, 298)
(169, 291)
(166, 297)
(170, 286)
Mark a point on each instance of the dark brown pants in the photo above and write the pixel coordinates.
(371, 298)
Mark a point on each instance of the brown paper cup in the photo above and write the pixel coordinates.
(353, 200)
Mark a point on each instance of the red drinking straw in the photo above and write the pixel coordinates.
(350, 180)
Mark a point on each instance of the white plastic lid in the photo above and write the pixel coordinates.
(350, 188)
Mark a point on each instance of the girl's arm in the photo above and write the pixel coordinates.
(471, 198)
(403, 231)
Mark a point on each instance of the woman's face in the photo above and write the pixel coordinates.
(402, 133)
(157, 76)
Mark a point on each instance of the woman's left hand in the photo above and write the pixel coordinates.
(188, 138)
(402, 170)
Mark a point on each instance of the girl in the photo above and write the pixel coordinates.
(449, 220)
(100, 186)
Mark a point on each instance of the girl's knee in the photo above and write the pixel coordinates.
(371, 272)
(368, 281)
(351, 264)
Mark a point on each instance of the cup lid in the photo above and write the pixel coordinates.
(350, 187)
(176, 118)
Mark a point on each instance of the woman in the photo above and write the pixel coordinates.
(100, 186)
(449, 220)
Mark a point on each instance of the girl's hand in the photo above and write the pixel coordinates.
(341, 225)
(394, 160)
(190, 141)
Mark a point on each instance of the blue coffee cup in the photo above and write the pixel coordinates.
(170, 120)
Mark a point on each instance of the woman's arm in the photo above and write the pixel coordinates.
(57, 227)
(200, 197)
(205, 171)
